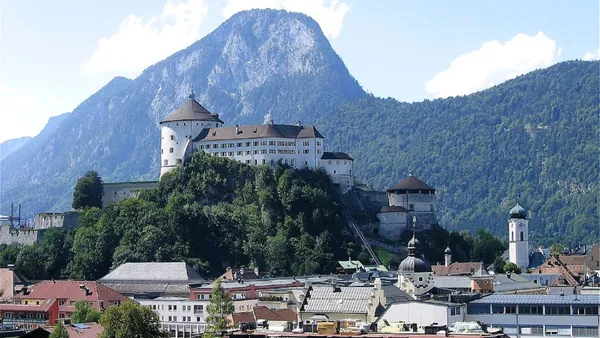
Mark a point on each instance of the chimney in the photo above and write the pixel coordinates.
(272, 122)
(11, 267)
(237, 129)
(298, 123)
(25, 290)
(256, 271)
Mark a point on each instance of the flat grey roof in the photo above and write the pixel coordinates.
(539, 299)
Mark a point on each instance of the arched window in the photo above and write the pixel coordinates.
(521, 235)
(170, 150)
(512, 236)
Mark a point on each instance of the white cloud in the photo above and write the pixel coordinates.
(328, 13)
(141, 42)
(494, 63)
(589, 56)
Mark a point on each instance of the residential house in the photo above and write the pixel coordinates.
(49, 301)
(242, 273)
(85, 330)
(275, 319)
(10, 281)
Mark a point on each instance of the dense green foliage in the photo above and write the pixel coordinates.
(218, 309)
(85, 313)
(511, 267)
(131, 320)
(59, 331)
(535, 137)
(47, 259)
(88, 191)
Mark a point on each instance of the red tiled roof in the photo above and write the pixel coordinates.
(242, 317)
(263, 312)
(72, 292)
(28, 308)
(572, 259)
(456, 269)
(92, 330)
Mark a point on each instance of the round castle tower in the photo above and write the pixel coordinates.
(518, 232)
(178, 130)
(417, 198)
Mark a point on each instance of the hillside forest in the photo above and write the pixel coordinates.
(215, 212)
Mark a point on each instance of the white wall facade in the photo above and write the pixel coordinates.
(422, 314)
(413, 202)
(415, 283)
(340, 170)
(180, 316)
(518, 247)
(175, 138)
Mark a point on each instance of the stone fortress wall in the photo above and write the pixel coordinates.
(41, 223)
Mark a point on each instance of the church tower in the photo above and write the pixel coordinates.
(447, 256)
(518, 232)
(414, 272)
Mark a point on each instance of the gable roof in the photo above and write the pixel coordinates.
(258, 131)
(456, 269)
(411, 183)
(153, 272)
(85, 330)
(263, 312)
(191, 110)
(323, 299)
(72, 291)
(452, 282)
(329, 155)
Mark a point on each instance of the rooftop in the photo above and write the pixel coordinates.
(411, 183)
(328, 155)
(539, 299)
(327, 299)
(153, 272)
(191, 110)
(258, 131)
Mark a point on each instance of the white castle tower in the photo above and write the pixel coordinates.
(518, 232)
(179, 129)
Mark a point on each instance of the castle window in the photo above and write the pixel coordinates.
(217, 125)
(334, 172)
(512, 236)
(256, 144)
(247, 161)
(256, 152)
(248, 144)
(305, 162)
(162, 151)
(166, 162)
(170, 150)
(292, 162)
(231, 145)
(201, 146)
(318, 143)
(184, 123)
(431, 207)
(306, 151)
(411, 207)
(255, 161)
(239, 144)
(521, 235)
(178, 161)
(196, 123)
(337, 162)
(318, 151)
(263, 161)
(172, 137)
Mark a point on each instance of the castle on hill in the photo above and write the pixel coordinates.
(193, 128)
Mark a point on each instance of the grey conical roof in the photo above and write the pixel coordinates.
(191, 110)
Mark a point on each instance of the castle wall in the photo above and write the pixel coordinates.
(115, 192)
(419, 202)
(24, 236)
(378, 198)
(55, 220)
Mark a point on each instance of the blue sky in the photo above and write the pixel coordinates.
(54, 54)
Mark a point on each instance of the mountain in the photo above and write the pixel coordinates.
(534, 138)
(10, 146)
(255, 63)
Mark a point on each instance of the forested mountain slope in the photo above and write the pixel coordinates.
(535, 137)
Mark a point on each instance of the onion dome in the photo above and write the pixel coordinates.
(518, 212)
(448, 251)
(413, 263)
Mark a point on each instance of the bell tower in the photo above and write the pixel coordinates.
(518, 232)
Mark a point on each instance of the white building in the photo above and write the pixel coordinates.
(192, 128)
(411, 197)
(422, 313)
(518, 229)
(539, 315)
(414, 272)
(180, 316)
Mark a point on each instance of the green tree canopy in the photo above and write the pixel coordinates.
(556, 249)
(511, 267)
(218, 309)
(59, 331)
(131, 320)
(88, 191)
(85, 313)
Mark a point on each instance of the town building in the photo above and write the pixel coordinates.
(10, 282)
(49, 301)
(274, 319)
(422, 313)
(82, 330)
(408, 199)
(334, 302)
(193, 128)
(538, 315)
(165, 288)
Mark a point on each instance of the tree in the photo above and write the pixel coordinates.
(218, 309)
(511, 267)
(556, 249)
(499, 264)
(88, 191)
(85, 313)
(131, 320)
(59, 331)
